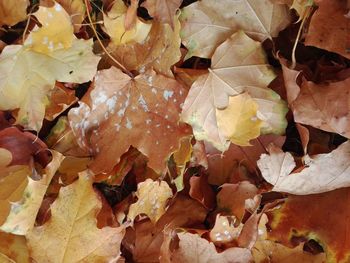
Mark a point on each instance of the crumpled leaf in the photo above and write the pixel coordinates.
(13, 249)
(121, 111)
(162, 10)
(71, 234)
(193, 248)
(238, 65)
(160, 50)
(29, 72)
(326, 33)
(322, 172)
(206, 24)
(12, 12)
(114, 26)
(152, 199)
(23, 212)
(322, 217)
(145, 238)
(313, 104)
(232, 197)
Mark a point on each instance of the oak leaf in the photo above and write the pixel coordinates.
(29, 72)
(152, 199)
(122, 111)
(206, 24)
(71, 234)
(238, 65)
(322, 172)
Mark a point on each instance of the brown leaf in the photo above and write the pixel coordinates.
(163, 10)
(12, 12)
(322, 217)
(328, 28)
(121, 111)
(13, 249)
(202, 191)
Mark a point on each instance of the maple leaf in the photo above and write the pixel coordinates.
(77, 11)
(313, 104)
(329, 34)
(12, 12)
(114, 25)
(204, 251)
(23, 212)
(152, 199)
(29, 72)
(238, 65)
(224, 230)
(325, 222)
(122, 111)
(323, 172)
(162, 10)
(71, 234)
(206, 24)
(232, 197)
(159, 51)
(13, 249)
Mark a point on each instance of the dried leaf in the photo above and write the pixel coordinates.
(206, 24)
(323, 172)
(13, 249)
(152, 200)
(12, 12)
(71, 234)
(238, 65)
(123, 111)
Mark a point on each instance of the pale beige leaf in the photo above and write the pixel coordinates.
(193, 248)
(224, 230)
(207, 23)
(152, 199)
(71, 234)
(238, 65)
(322, 172)
(23, 212)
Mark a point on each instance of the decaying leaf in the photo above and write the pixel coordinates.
(322, 172)
(122, 111)
(152, 199)
(29, 72)
(206, 24)
(321, 217)
(238, 65)
(71, 234)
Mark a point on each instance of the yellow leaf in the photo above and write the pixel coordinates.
(114, 25)
(238, 65)
(71, 234)
(56, 31)
(23, 212)
(238, 122)
(152, 199)
(12, 12)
